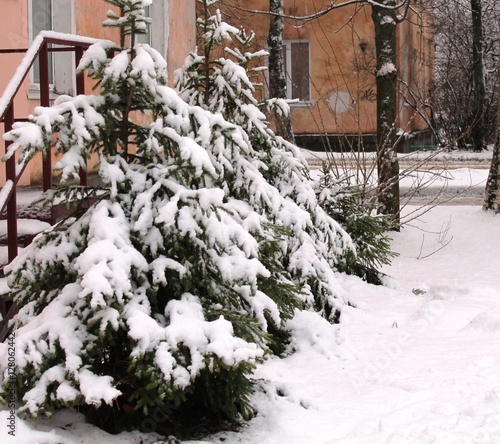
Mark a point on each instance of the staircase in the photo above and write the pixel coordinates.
(31, 220)
(19, 223)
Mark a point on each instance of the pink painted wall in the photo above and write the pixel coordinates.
(181, 27)
(14, 35)
(182, 39)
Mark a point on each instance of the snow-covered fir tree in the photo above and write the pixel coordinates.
(181, 276)
(215, 78)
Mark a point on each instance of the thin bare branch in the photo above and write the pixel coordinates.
(307, 18)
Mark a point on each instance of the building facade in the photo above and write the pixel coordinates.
(330, 63)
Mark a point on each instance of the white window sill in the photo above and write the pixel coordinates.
(34, 92)
(301, 104)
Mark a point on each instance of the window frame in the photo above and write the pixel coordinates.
(289, 76)
(147, 37)
(63, 78)
(158, 28)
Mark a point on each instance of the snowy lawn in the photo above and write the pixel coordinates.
(417, 361)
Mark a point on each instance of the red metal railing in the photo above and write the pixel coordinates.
(40, 48)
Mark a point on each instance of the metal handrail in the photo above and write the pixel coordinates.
(8, 197)
(38, 48)
(42, 39)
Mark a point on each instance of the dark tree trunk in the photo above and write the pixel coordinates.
(491, 197)
(491, 200)
(477, 124)
(277, 81)
(385, 22)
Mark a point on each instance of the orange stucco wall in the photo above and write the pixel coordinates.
(88, 17)
(342, 60)
(14, 35)
(182, 35)
(181, 29)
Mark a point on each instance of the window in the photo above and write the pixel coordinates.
(41, 20)
(145, 38)
(52, 15)
(296, 60)
(405, 78)
(157, 31)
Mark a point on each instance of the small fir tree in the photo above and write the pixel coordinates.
(344, 202)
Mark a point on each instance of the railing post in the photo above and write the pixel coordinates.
(43, 59)
(80, 79)
(80, 89)
(10, 174)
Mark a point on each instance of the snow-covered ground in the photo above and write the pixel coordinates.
(416, 361)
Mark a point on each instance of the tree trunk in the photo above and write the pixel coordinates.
(277, 81)
(491, 200)
(479, 81)
(491, 197)
(385, 22)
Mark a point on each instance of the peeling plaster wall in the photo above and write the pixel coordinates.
(342, 62)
